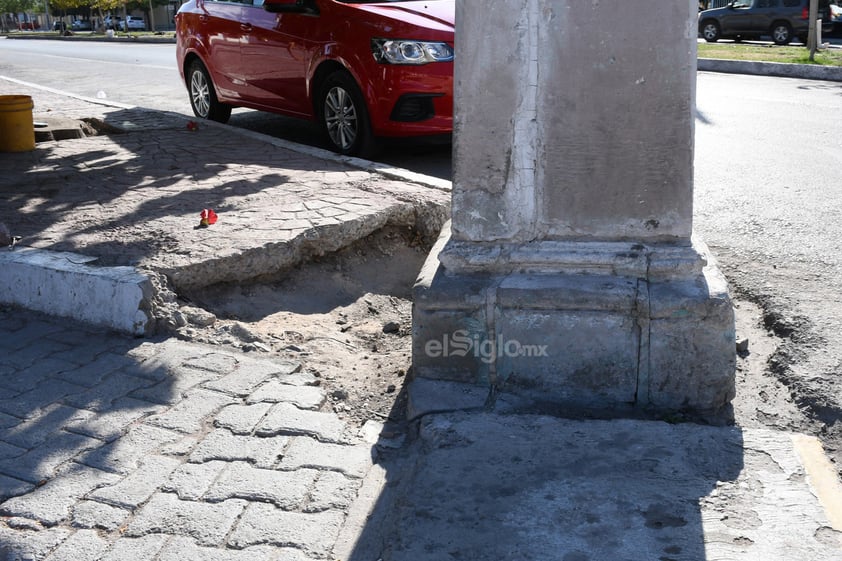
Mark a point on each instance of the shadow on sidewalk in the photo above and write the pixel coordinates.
(79, 409)
(478, 486)
(124, 197)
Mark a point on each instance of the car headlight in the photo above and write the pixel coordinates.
(404, 51)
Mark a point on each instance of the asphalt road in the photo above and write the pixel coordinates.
(768, 186)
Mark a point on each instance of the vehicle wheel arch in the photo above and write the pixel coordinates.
(327, 67)
(189, 58)
(324, 69)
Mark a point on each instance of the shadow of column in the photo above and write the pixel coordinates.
(526, 487)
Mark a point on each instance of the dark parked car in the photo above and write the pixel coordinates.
(782, 20)
(360, 68)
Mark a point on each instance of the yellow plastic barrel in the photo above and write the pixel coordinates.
(17, 133)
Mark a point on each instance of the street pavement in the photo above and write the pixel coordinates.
(119, 447)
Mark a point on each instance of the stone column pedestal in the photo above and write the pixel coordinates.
(570, 273)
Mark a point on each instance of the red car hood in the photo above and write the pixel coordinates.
(439, 14)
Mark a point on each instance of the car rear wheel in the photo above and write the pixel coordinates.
(344, 117)
(203, 98)
(711, 31)
(781, 33)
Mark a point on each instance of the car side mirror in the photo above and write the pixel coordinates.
(289, 6)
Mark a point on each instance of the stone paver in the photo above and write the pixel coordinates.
(40, 463)
(275, 391)
(222, 444)
(182, 549)
(52, 502)
(285, 418)
(249, 374)
(30, 544)
(106, 391)
(11, 487)
(242, 419)
(125, 454)
(84, 545)
(333, 490)
(242, 481)
(145, 548)
(113, 421)
(95, 515)
(354, 461)
(207, 523)
(136, 489)
(314, 533)
(192, 481)
(189, 414)
(44, 426)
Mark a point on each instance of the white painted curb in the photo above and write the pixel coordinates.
(63, 284)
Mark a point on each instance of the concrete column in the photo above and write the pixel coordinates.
(571, 273)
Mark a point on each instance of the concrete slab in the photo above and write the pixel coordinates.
(487, 486)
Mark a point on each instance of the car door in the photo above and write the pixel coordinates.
(764, 13)
(220, 26)
(277, 51)
(738, 19)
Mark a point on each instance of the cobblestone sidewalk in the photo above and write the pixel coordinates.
(118, 449)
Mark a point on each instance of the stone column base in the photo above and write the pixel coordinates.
(581, 325)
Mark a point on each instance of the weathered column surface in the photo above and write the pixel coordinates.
(570, 273)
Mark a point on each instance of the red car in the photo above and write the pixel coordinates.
(361, 69)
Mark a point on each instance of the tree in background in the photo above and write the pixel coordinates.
(9, 10)
(100, 8)
(60, 8)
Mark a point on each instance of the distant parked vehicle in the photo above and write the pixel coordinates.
(133, 23)
(782, 20)
(59, 25)
(80, 25)
(112, 22)
(836, 19)
(29, 25)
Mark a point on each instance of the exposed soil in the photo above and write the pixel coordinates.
(347, 318)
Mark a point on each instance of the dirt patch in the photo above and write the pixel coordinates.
(347, 318)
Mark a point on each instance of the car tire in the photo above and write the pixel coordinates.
(344, 117)
(781, 33)
(203, 98)
(711, 31)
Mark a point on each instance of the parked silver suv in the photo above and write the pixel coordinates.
(782, 20)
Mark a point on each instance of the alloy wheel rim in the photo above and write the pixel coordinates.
(781, 33)
(201, 93)
(341, 118)
(710, 31)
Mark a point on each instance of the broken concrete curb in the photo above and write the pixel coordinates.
(65, 284)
